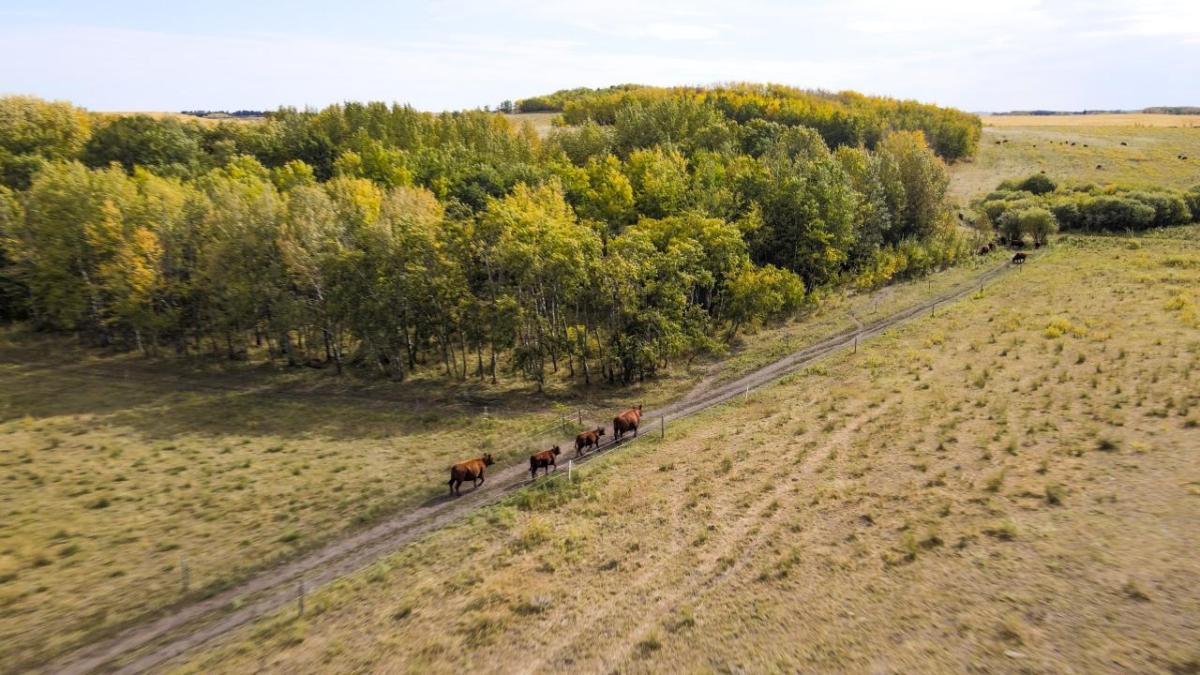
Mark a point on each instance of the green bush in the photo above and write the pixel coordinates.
(1038, 184)
(1085, 207)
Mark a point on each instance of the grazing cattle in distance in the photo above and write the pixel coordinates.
(984, 250)
(1018, 259)
(626, 422)
(469, 470)
(588, 439)
(1124, 143)
(1099, 166)
(543, 460)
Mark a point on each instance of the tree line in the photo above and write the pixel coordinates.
(377, 237)
(843, 118)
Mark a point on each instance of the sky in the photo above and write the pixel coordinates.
(127, 55)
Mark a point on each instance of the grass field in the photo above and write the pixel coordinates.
(542, 122)
(1010, 486)
(1017, 146)
(1098, 120)
(118, 471)
(116, 474)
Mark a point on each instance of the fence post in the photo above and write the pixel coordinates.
(570, 465)
(856, 344)
(933, 310)
(300, 596)
(184, 573)
(581, 417)
(662, 426)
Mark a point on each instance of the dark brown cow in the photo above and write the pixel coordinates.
(1018, 259)
(626, 422)
(470, 470)
(984, 250)
(588, 439)
(543, 460)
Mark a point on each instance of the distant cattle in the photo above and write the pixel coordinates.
(1099, 166)
(626, 422)
(984, 250)
(470, 470)
(1124, 143)
(1018, 259)
(543, 460)
(588, 439)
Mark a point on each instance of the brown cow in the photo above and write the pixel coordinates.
(469, 470)
(1018, 258)
(627, 421)
(543, 460)
(588, 439)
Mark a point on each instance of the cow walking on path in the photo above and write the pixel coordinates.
(1019, 259)
(543, 460)
(587, 440)
(626, 422)
(469, 470)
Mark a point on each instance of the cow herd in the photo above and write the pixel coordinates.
(472, 469)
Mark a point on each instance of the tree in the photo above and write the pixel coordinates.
(659, 180)
(164, 145)
(13, 294)
(925, 180)
(1034, 221)
(608, 197)
(761, 294)
(33, 131)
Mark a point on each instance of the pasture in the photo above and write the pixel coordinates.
(117, 474)
(1008, 485)
(1083, 149)
(120, 471)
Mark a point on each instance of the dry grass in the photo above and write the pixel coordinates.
(1149, 156)
(115, 472)
(1099, 120)
(542, 122)
(936, 503)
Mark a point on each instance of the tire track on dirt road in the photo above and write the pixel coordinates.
(159, 639)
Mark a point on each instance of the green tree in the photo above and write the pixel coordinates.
(659, 179)
(33, 131)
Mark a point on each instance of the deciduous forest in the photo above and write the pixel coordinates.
(648, 227)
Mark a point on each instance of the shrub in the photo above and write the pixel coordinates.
(1038, 184)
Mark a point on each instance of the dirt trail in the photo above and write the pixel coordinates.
(157, 640)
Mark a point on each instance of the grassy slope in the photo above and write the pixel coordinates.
(1009, 485)
(1149, 158)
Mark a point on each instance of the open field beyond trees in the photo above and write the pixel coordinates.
(1083, 149)
(1011, 484)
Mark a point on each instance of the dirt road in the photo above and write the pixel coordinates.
(147, 645)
